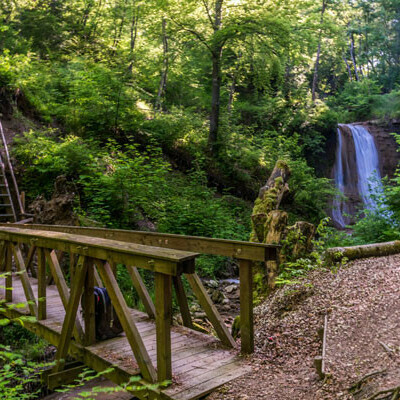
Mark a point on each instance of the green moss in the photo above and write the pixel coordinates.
(282, 165)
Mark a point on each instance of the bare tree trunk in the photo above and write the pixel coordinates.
(232, 89)
(315, 78)
(164, 75)
(353, 56)
(348, 68)
(134, 26)
(216, 81)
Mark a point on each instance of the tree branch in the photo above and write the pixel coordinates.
(208, 13)
(195, 33)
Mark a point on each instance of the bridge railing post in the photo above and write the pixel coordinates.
(246, 306)
(88, 305)
(8, 269)
(163, 289)
(42, 283)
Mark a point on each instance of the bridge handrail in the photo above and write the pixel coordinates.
(222, 247)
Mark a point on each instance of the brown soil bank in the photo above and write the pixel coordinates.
(363, 305)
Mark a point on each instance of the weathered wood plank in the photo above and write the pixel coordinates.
(142, 291)
(168, 261)
(30, 297)
(41, 284)
(182, 302)
(70, 314)
(246, 307)
(62, 287)
(210, 309)
(163, 288)
(223, 247)
(127, 322)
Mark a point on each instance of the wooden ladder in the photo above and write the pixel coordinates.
(11, 207)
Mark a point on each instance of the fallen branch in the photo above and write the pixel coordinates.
(392, 391)
(358, 384)
(337, 254)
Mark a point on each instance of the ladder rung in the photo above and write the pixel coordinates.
(6, 215)
(5, 205)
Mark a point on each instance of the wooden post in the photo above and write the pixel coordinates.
(246, 306)
(163, 286)
(210, 309)
(182, 302)
(41, 284)
(88, 306)
(70, 314)
(9, 273)
(142, 291)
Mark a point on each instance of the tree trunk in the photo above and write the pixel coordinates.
(134, 25)
(337, 254)
(315, 78)
(348, 68)
(164, 75)
(353, 56)
(216, 81)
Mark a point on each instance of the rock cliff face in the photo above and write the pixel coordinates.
(389, 156)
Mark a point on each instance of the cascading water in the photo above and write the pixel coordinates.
(356, 172)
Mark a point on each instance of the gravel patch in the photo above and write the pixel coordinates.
(362, 302)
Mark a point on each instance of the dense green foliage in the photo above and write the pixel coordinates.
(132, 92)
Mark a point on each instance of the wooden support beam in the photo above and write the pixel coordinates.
(128, 323)
(246, 306)
(163, 286)
(97, 279)
(210, 310)
(142, 291)
(30, 297)
(88, 306)
(8, 285)
(29, 259)
(42, 302)
(71, 313)
(182, 302)
(62, 287)
(62, 378)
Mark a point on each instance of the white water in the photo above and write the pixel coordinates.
(369, 179)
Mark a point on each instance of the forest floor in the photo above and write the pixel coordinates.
(362, 301)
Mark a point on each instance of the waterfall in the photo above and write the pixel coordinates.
(356, 172)
(369, 177)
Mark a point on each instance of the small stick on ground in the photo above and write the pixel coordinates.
(386, 348)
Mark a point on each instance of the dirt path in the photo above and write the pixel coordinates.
(363, 305)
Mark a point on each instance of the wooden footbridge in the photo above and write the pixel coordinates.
(50, 268)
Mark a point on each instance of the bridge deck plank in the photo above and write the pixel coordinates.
(199, 363)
